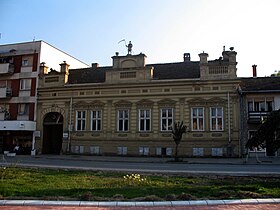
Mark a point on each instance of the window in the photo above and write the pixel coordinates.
(123, 119)
(25, 62)
(25, 84)
(166, 119)
(144, 151)
(260, 106)
(122, 150)
(144, 120)
(197, 119)
(80, 120)
(164, 151)
(95, 150)
(216, 119)
(96, 117)
(127, 74)
(198, 151)
(217, 152)
(23, 109)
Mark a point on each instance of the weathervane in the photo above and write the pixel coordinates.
(129, 46)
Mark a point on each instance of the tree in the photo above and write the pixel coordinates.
(268, 134)
(178, 130)
(276, 74)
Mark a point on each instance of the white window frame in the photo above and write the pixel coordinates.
(260, 106)
(25, 84)
(122, 150)
(216, 117)
(95, 150)
(144, 151)
(81, 119)
(25, 62)
(96, 117)
(197, 118)
(164, 127)
(123, 118)
(145, 119)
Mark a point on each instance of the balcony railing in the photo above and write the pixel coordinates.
(6, 68)
(4, 115)
(257, 117)
(5, 92)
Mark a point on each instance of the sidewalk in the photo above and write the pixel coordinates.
(209, 160)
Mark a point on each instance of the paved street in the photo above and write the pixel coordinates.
(233, 167)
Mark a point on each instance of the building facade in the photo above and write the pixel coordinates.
(258, 97)
(129, 108)
(19, 70)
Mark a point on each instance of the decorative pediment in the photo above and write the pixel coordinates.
(204, 101)
(123, 103)
(144, 103)
(88, 105)
(216, 100)
(96, 104)
(166, 102)
(80, 104)
(198, 101)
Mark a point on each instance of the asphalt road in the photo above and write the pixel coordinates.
(147, 167)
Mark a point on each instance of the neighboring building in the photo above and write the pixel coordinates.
(19, 69)
(258, 97)
(129, 108)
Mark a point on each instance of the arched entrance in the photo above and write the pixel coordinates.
(52, 133)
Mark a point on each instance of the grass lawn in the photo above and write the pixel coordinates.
(20, 183)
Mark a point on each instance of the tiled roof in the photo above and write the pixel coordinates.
(87, 75)
(182, 70)
(260, 84)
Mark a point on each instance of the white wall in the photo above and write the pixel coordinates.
(53, 57)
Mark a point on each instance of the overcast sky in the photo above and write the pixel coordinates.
(162, 29)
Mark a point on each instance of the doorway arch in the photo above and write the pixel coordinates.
(52, 133)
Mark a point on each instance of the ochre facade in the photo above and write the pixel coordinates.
(130, 107)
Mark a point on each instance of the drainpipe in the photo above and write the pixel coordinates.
(229, 128)
(33, 151)
(70, 125)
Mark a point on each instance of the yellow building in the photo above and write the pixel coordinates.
(129, 108)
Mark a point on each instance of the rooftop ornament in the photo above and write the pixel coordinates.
(129, 46)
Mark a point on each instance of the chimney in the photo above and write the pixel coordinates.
(94, 65)
(187, 57)
(203, 58)
(254, 70)
(64, 67)
(43, 69)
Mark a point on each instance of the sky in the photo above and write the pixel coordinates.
(163, 30)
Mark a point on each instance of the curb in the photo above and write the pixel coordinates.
(137, 203)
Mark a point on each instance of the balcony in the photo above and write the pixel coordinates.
(5, 92)
(4, 115)
(257, 117)
(16, 125)
(6, 68)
